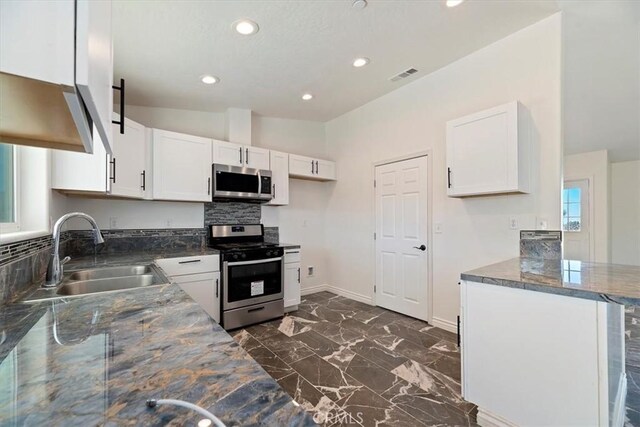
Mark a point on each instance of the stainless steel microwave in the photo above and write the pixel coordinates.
(234, 182)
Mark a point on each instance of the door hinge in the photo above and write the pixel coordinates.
(374, 183)
(374, 236)
(374, 289)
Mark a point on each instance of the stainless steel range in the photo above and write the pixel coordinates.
(252, 275)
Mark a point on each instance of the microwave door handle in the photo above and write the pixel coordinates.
(259, 184)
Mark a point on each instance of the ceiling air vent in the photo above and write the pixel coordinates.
(403, 75)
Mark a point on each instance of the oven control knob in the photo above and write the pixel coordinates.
(244, 255)
(235, 256)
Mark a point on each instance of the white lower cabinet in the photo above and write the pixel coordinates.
(279, 166)
(181, 167)
(538, 359)
(199, 277)
(311, 168)
(291, 279)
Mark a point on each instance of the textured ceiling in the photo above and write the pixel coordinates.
(162, 47)
(601, 77)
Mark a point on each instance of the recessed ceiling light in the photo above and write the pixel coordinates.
(209, 79)
(205, 422)
(359, 4)
(246, 27)
(307, 97)
(454, 3)
(360, 62)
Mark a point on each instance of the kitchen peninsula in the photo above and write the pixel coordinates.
(543, 341)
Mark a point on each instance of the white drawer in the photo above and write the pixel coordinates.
(189, 265)
(291, 255)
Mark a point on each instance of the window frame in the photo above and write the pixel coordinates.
(566, 205)
(13, 227)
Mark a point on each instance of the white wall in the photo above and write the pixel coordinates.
(625, 212)
(199, 123)
(525, 66)
(594, 166)
(302, 221)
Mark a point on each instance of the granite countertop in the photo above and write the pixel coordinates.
(589, 280)
(96, 359)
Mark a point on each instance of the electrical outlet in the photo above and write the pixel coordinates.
(113, 223)
(513, 223)
(169, 223)
(541, 223)
(310, 271)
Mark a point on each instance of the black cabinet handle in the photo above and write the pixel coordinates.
(217, 287)
(121, 121)
(113, 169)
(144, 180)
(448, 177)
(458, 331)
(311, 167)
(298, 274)
(191, 261)
(209, 186)
(274, 191)
(240, 155)
(251, 310)
(246, 156)
(316, 167)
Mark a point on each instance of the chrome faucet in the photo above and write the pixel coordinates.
(55, 269)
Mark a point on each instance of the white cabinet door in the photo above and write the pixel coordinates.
(128, 173)
(36, 40)
(487, 152)
(326, 170)
(256, 158)
(291, 284)
(94, 64)
(181, 167)
(227, 153)
(204, 288)
(279, 166)
(80, 172)
(301, 166)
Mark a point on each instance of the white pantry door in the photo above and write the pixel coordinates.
(401, 237)
(575, 220)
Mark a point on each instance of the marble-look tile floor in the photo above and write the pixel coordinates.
(349, 363)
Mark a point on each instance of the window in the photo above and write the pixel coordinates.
(8, 188)
(571, 215)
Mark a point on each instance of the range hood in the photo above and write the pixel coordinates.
(43, 114)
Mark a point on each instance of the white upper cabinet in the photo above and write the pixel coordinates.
(56, 73)
(181, 167)
(256, 158)
(311, 168)
(122, 174)
(94, 64)
(488, 152)
(128, 172)
(279, 166)
(228, 153)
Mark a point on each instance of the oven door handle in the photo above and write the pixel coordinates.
(258, 261)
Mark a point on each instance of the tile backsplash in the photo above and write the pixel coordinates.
(541, 244)
(231, 212)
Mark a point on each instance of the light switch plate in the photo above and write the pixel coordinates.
(437, 228)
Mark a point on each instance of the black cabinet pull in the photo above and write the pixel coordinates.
(217, 286)
(240, 155)
(448, 177)
(121, 121)
(113, 169)
(458, 331)
(298, 274)
(274, 191)
(316, 167)
(311, 167)
(246, 156)
(144, 180)
(209, 186)
(251, 310)
(191, 261)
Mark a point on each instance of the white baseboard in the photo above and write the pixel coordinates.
(338, 291)
(488, 419)
(618, 416)
(447, 325)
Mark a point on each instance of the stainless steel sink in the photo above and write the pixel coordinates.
(110, 272)
(101, 280)
(82, 287)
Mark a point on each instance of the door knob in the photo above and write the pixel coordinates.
(421, 247)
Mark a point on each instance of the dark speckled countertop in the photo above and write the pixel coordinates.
(595, 281)
(96, 359)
